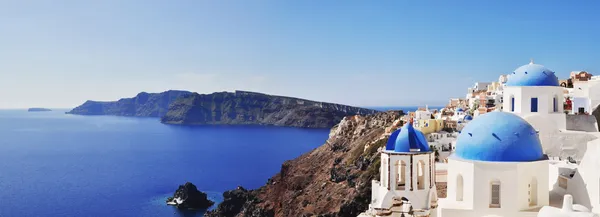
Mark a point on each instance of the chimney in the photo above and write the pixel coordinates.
(567, 203)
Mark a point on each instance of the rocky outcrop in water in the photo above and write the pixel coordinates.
(333, 180)
(187, 196)
(142, 105)
(249, 108)
(38, 110)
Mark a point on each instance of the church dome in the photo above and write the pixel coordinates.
(499, 136)
(532, 75)
(468, 118)
(406, 139)
(391, 143)
(460, 110)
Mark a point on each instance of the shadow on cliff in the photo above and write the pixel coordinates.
(189, 213)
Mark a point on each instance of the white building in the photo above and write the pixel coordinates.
(532, 91)
(585, 95)
(501, 167)
(407, 180)
(498, 169)
(423, 114)
(443, 142)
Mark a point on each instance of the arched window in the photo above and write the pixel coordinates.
(555, 104)
(459, 188)
(401, 177)
(512, 103)
(495, 194)
(533, 192)
(385, 173)
(421, 175)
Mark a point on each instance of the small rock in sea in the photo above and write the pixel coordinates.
(187, 196)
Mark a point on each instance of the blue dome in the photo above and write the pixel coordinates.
(460, 110)
(532, 75)
(392, 140)
(499, 136)
(468, 118)
(407, 138)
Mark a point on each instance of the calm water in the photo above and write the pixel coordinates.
(52, 164)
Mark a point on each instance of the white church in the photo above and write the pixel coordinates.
(501, 166)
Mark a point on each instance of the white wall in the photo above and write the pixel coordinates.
(547, 127)
(477, 179)
(569, 144)
(581, 102)
(585, 185)
(526, 172)
(419, 197)
(523, 97)
(422, 115)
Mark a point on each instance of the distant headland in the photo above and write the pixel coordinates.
(225, 108)
(38, 110)
(142, 105)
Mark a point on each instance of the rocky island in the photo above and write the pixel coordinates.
(142, 105)
(332, 180)
(250, 108)
(187, 196)
(38, 110)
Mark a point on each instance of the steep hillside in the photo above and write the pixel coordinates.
(256, 109)
(142, 105)
(332, 180)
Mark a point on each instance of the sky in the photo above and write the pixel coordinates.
(60, 53)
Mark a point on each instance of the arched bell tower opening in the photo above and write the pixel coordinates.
(410, 164)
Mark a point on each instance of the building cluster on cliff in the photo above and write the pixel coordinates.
(524, 146)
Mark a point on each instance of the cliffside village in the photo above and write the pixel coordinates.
(525, 145)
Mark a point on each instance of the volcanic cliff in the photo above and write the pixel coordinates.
(332, 180)
(142, 105)
(250, 108)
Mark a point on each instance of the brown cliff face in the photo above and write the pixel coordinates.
(332, 180)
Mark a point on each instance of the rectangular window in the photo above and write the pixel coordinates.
(554, 104)
(495, 202)
(534, 104)
(512, 104)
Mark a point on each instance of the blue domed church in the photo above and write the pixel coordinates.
(406, 186)
(533, 92)
(498, 169)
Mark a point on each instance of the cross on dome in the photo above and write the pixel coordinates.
(531, 61)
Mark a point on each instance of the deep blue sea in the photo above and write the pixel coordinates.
(52, 164)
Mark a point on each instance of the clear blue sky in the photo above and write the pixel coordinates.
(56, 53)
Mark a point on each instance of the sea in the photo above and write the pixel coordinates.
(53, 164)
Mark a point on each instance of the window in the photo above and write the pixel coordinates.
(401, 175)
(385, 173)
(495, 193)
(555, 104)
(512, 103)
(421, 175)
(533, 192)
(534, 104)
(459, 188)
